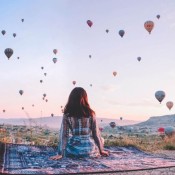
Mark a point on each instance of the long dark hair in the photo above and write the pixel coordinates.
(77, 105)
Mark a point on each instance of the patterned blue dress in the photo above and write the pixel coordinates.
(84, 140)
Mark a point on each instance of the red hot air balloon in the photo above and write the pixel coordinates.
(114, 73)
(169, 105)
(161, 130)
(149, 25)
(90, 23)
(101, 129)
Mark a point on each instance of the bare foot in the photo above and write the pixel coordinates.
(57, 157)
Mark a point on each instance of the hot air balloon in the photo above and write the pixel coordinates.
(101, 120)
(121, 118)
(169, 105)
(22, 20)
(91, 85)
(8, 52)
(107, 30)
(44, 95)
(61, 106)
(18, 58)
(114, 73)
(42, 67)
(3, 110)
(33, 105)
(90, 56)
(22, 108)
(14, 35)
(149, 25)
(73, 82)
(46, 100)
(45, 74)
(160, 95)
(101, 129)
(169, 131)
(139, 58)
(158, 16)
(3, 32)
(54, 60)
(161, 130)
(52, 115)
(112, 124)
(21, 92)
(121, 33)
(41, 81)
(90, 23)
(55, 51)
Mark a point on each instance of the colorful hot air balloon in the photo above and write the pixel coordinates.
(45, 74)
(158, 16)
(8, 52)
(90, 23)
(22, 20)
(149, 25)
(41, 81)
(169, 105)
(90, 56)
(3, 110)
(14, 35)
(107, 30)
(33, 105)
(121, 33)
(46, 100)
(121, 118)
(112, 124)
(22, 108)
(21, 92)
(114, 73)
(139, 58)
(55, 51)
(42, 67)
(3, 32)
(160, 95)
(169, 131)
(91, 85)
(18, 58)
(73, 82)
(52, 115)
(54, 60)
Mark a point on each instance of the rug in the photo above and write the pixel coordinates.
(25, 159)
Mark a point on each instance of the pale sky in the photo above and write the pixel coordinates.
(61, 24)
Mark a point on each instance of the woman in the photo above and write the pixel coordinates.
(80, 119)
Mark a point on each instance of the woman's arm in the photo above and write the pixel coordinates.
(96, 134)
(64, 134)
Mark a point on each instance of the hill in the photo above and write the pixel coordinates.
(55, 122)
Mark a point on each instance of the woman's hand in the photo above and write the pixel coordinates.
(104, 153)
(57, 157)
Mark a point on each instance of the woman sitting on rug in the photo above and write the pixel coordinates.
(80, 119)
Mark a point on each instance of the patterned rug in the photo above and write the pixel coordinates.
(24, 159)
